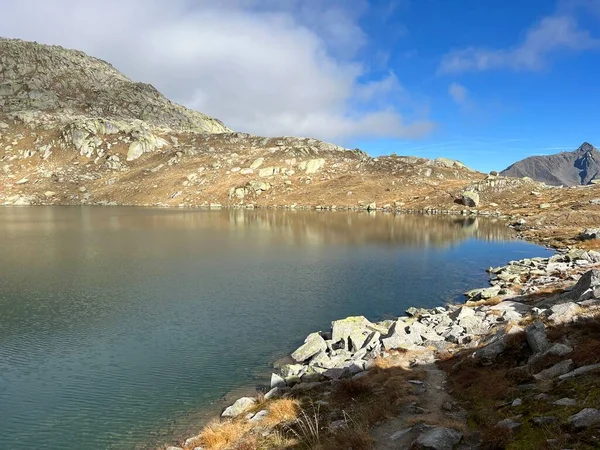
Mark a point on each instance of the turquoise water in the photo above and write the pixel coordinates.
(119, 327)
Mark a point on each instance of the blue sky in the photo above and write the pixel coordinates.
(510, 110)
(487, 82)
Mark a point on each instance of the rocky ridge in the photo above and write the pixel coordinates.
(579, 167)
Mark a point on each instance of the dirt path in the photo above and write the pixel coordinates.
(434, 406)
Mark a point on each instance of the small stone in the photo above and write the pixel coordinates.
(540, 421)
(259, 416)
(508, 424)
(517, 402)
(565, 402)
(337, 425)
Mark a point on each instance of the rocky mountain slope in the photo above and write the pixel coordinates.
(73, 130)
(579, 167)
(52, 82)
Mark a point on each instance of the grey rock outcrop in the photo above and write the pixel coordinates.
(52, 80)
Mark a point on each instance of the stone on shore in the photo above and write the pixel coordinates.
(277, 381)
(240, 406)
(352, 332)
(313, 344)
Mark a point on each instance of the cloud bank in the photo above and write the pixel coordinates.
(262, 66)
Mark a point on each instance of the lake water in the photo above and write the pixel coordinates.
(120, 326)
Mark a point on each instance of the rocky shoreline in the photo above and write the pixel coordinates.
(484, 325)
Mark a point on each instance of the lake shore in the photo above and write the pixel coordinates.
(332, 391)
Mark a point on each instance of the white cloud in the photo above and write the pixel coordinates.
(550, 35)
(458, 93)
(262, 66)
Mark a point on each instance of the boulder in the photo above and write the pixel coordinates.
(580, 371)
(353, 332)
(257, 163)
(474, 325)
(483, 294)
(402, 335)
(439, 438)
(536, 337)
(240, 406)
(313, 344)
(585, 418)
(556, 370)
(563, 313)
(314, 165)
(470, 198)
(590, 233)
(586, 288)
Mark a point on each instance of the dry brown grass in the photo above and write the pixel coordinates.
(281, 411)
(347, 439)
(220, 435)
(489, 302)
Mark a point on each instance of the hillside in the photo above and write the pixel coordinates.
(73, 130)
(579, 167)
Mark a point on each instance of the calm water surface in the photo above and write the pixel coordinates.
(118, 326)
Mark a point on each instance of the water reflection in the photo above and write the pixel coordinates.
(266, 226)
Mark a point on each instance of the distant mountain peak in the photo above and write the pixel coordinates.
(578, 167)
(586, 147)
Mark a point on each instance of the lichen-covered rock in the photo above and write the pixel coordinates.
(352, 332)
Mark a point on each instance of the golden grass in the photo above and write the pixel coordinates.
(219, 435)
(281, 411)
